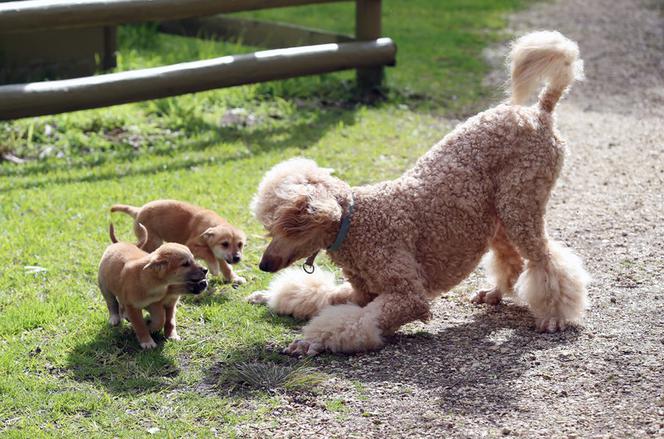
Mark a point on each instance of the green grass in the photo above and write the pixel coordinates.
(63, 370)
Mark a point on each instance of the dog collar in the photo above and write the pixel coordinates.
(308, 265)
(345, 226)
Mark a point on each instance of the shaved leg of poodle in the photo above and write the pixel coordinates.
(554, 282)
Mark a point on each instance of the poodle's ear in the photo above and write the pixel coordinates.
(304, 215)
(292, 219)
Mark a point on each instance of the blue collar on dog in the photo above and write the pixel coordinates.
(345, 226)
(308, 265)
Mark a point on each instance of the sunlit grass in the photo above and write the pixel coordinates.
(63, 370)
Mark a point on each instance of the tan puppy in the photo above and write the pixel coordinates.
(208, 236)
(131, 279)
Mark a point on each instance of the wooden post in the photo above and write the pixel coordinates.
(109, 61)
(368, 27)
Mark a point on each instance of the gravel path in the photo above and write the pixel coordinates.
(477, 372)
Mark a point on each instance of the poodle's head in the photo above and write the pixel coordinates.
(298, 204)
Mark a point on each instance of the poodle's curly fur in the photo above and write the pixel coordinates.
(484, 186)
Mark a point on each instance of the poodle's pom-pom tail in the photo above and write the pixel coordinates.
(294, 292)
(548, 57)
(555, 290)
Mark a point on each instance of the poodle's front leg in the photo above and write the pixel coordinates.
(350, 328)
(303, 295)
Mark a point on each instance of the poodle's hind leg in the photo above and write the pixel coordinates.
(554, 281)
(303, 295)
(503, 266)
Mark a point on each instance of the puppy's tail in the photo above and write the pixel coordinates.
(111, 233)
(548, 57)
(142, 239)
(129, 210)
(142, 236)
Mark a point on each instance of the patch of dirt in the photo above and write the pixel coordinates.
(478, 372)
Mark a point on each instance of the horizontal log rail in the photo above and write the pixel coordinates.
(31, 15)
(40, 98)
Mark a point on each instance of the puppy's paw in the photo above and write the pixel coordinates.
(258, 297)
(550, 325)
(173, 336)
(238, 280)
(490, 297)
(148, 344)
(301, 348)
(114, 320)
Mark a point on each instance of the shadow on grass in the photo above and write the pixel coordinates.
(217, 292)
(470, 366)
(256, 141)
(115, 360)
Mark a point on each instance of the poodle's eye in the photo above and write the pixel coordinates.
(224, 244)
(186, 263)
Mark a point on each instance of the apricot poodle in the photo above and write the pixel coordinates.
(401, 243)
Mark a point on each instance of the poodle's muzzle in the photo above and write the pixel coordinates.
(271, 264)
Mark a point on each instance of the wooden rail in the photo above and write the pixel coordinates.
(30, 15)
(367, 52)
(34, 99)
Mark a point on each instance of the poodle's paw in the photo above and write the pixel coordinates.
(148, 344)
(551, 324)
(258, 297)
(114, 320)
(301, 348)
(490, 297)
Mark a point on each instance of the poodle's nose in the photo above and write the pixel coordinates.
(269, 265)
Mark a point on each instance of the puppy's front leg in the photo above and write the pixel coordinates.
(140, 328)
(170, 330)
(229, 274)
(203, 252)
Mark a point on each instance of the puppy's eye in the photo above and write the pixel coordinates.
(239, 245)
(224, 244)
(186, 263)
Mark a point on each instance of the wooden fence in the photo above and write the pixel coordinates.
(366, 51)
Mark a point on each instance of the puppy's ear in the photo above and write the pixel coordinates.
(205, 236)
(156, 263)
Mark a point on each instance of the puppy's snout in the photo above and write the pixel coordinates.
(236, 258)
(199, 272)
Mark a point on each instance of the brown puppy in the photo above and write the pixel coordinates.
(208, 236)
(131, 279)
